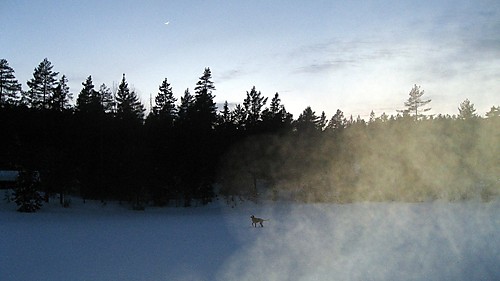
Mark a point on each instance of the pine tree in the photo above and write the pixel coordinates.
(253, 104)
(129, 107)
(308, 122)
(275, 116)
(415, 105)
(466, 110)
(61, 96)
(107, 99)
(337, 122)
(10, 89)
(42, 86)
(239, 116)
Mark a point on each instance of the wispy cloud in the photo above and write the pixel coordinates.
(338, 54)
(231, 74)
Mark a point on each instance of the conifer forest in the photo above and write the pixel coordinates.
(100, 143)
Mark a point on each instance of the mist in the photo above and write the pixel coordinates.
(385, 160)
(375, 241)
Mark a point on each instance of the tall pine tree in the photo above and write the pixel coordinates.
(10, 89)
(415, 104)
(41, 86)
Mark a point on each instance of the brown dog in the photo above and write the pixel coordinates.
(255, 221)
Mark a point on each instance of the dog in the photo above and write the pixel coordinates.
(256, 221)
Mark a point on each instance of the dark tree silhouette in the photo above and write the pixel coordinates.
(253, 104)
(275, 117)
(308, 122)
(129, 107)
(87, 101)
(10, 89)
(41, 86)
(164, 108)
(26, 194)
(61, 97)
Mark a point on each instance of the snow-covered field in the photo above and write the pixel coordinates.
(363, 241)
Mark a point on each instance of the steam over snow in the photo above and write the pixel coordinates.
(363, 241)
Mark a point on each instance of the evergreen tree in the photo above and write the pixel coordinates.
(493, 113)
(204, 105)
(87, 101)
(129, 107)
(225, 115)
(253, 104)
(42, 86)
(322, 121)
(308, 121)
(107, 99)
(239, 116)
(467, 111)
(372, 117)
(415, 104)
(337, 122)
(186, 107)
(10, 89)
(61, 96)
(275, 116)
(165, 103)
(26, 194)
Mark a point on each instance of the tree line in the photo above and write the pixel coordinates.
(104, 146)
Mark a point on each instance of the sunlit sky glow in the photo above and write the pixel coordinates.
(356, 56)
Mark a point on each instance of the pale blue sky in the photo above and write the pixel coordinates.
(356, 56)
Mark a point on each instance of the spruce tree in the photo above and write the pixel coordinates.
(26, 194)
(186, 107)
(41, 86)
(164, 107)
(61, 95)
(86, 101)
(10, 89)
(204, 106)
(129, 107)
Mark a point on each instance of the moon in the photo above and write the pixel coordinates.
(167, 22)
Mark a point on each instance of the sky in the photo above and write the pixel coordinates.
(356, 56)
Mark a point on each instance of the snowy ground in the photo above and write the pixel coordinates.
(364, 241)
